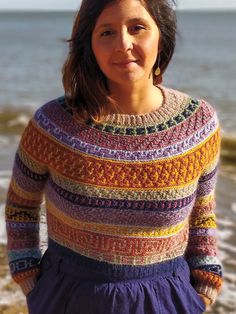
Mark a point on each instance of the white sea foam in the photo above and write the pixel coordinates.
(226, 223)
(233, 207)
(4, 140)
(43, 232)
(225, 246)
(224, 234)
(3, 238)
(22, 119)
(4, 182)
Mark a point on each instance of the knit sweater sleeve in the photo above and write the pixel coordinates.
(202, 253)
(25, 194)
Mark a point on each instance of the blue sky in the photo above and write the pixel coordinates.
(74, 4)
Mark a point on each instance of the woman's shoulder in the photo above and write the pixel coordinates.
(49, 109)
(51, 105)
(47, 115)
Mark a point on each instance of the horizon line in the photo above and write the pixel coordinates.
(74, 10)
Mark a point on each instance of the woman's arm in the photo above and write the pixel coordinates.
(24, 197)
(201, 253)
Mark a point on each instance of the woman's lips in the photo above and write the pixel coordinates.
(125, 63)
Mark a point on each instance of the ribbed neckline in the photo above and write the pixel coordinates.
(171, 103)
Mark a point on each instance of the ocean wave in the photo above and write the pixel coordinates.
(14, 120)
(228, 148)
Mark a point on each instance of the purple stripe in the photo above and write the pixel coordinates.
(206, 187)
(29, 173)
(208, 176)
(96, 202)
(23, 264)
(156, 218)
(22, 225)
(203, 232)
(25, 182)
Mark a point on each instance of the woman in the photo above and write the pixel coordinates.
(128, 171)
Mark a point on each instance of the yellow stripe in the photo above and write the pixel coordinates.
(212, 165)
(34, 196)
(20, 214)
(165, 193)
(33, 164)
(207, 222)
(204, 200)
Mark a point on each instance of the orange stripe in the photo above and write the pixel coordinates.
(102, 172)
(107, 244)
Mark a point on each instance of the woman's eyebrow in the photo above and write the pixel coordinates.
(101, 26)
(133, 20)
(138, 20)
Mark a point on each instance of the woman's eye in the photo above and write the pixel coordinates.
(137, 28)
(106, 33)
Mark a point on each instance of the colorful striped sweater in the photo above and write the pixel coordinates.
(132, 190)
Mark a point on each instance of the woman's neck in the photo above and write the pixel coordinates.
(133, 100)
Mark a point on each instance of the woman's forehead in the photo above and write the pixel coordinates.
(123, 9)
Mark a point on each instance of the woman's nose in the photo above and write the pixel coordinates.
(124, 42)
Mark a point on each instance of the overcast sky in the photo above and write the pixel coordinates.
(74, 4)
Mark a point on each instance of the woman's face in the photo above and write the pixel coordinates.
(125, 42)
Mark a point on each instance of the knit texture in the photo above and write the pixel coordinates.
(133, 190)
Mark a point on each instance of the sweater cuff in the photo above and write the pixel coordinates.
(27, 280)
(207, 283)
(210, 292)
(28, 285)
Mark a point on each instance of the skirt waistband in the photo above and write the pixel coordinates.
(69, 262)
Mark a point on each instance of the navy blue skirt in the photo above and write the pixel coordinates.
(72, 284)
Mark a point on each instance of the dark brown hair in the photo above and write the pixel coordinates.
(84, 83)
